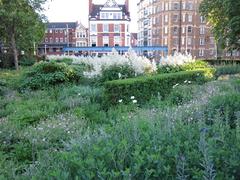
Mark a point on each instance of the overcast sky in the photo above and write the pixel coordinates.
(77, 10)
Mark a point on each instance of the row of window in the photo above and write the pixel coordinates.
(81, 44)
(106, 40)
(81, 35)
(106, 27)
(110, 15)
(57, 40)
(56, 31)
(165, 7)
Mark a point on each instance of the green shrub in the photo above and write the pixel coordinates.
(27, 61)
(117, 72)
(169, 69)
(227, 69)
(144, 88)
(181, 94)
(47, 74)
(67, 61)
(185, 67)
(227, 106)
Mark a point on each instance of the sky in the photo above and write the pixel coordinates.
(77, 10)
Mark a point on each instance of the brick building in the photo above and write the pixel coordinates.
(109, 24)
(176, 24)
(57, 36)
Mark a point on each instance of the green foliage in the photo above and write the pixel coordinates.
(186, 67)
(228, 106)
(181, 94)
(27, 61)
(224, 17)
(117, 72)
(227, 69)
(144, 88)
(47, 74)
(21, 25)
(67, 61)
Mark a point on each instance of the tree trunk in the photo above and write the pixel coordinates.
(15, 52)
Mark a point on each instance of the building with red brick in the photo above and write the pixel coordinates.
(109, 24)
(57, 36)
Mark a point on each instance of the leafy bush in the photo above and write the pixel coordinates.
(67, 61)
(227, 106)
(181, 94)
(47, 74)
(143, 88)
(227, 69)
(190, 66)
(27, 61)
(117, 72)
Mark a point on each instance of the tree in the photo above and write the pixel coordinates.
(224, 17)
(21, 24)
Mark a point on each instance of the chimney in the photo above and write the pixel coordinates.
(127, 5)
(90, 6)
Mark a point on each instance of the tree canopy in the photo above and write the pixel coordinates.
(224, 17)
(21, 25)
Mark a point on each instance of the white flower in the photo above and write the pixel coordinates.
(119, 75)
(134, 101)
(79, 94)
(44, 140)
(175, 85)
(189, 82)
(132, 97)
(185, 81)
(120, 100)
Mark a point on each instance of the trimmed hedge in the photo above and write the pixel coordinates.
(144, 88)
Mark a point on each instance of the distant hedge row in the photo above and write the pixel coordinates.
(144, 88)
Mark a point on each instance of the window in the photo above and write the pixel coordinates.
(105, 40)
(202, 19)
(94, 41)
(56, 31)
(183, 17)
(51, 39)
(117, 40)
(61, 31)
(201, 52)
(165, 41)
(166, 6)
(189, 41)
(202, 30)
(61, 40)
(165, 29)
(50, 30)
(183, 30)
(175, 30)
(190, 18)
(202, 41)
(116, 28)
(175, 41)
(175, 6)
(46, 40)
(105, 28)
(189, 6)
(166, 18)
(175, 18)
(93, 27)
(183, 40)
(56, 40)
(189, 29)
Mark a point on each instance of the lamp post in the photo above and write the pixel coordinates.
(45, 47)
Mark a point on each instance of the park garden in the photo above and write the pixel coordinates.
(120, 117)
